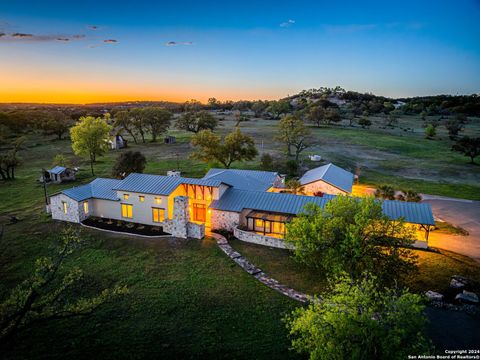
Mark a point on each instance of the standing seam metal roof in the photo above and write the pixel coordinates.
(331, 174)
(236, 200)
(243, 179)
(158, 184)
(99, 189)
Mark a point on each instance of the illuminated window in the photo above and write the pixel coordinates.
(85, 207)
(126, 196)
(127, 211)
(258, 222)
(65, 207)
(158, 215)
(158, 200)
(141, 198)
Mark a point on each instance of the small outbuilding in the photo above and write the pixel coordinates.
(117, 142)
(327, 179)
(58, 174)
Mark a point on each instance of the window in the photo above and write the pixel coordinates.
(158, 215)
(65, 207)
(141, 198)
(127, 211)
(158, 200)
(126, 196)
(85, 207)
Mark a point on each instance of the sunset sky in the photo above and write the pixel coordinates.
(93, 51)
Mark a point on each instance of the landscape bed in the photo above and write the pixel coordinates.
(124, 227)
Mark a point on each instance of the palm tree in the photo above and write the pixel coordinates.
(385, 192)
(409, 195)
(294, 186)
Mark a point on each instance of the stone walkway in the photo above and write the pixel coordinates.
(256, 272)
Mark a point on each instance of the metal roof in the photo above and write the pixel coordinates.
(99, 189)
(331, 174)
(244, 179)
(236, 200)
(57, 170)
(158, 184)
(412, 212)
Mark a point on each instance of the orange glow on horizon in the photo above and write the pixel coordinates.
(53, 96)
(77, 89)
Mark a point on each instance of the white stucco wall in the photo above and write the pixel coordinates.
(322, 186)
(226, 220)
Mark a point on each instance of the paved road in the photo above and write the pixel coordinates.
(463, 213)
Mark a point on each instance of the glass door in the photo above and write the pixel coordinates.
(199, 212)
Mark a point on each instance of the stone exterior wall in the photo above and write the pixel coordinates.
(226, 220)
(258, 239)
(322, 186)
(178, 225)
(56, 207)
(195, 231)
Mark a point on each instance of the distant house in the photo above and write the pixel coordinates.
(117, 142)
(58, 174)
(245, 202)
(327, 179)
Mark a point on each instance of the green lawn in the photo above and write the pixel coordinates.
(187, 300)
(434, 268)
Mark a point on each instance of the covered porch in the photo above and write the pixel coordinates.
(267, 223)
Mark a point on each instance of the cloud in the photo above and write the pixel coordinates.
(103, 43)
(287, 23)
(20, 35)
(24, 37)
(93, 27)
(176, 43)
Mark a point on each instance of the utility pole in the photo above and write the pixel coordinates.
(44, 187)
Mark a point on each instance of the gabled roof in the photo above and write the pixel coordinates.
(331, 174)
(159, 184)
(236, 200)
(243, 179)
(57, 170)
(99, 189)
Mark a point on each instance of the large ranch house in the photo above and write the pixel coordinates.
(251, 204)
